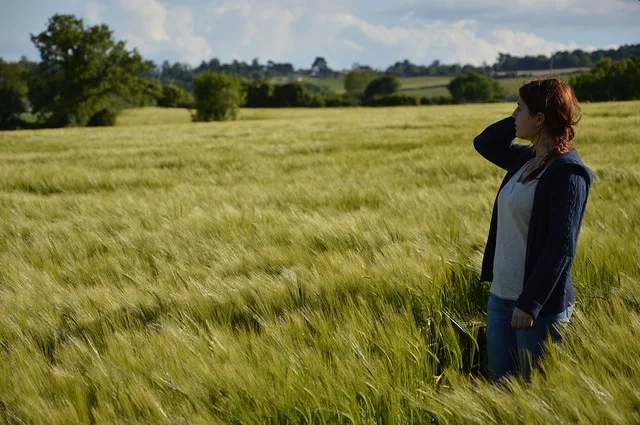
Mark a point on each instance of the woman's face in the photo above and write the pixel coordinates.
(526, 126)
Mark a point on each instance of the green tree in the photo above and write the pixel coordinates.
(475, 87)
(320, 67)
(259, 94)
(357, 80)
(148, 93)
(218, 96)
(83, 72)
(295, 94)
(13, 92)
(609, 80)
(382, 86)
(175, 96)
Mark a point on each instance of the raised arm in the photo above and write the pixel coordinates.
(495, 144)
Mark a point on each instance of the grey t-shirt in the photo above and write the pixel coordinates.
(515, 202)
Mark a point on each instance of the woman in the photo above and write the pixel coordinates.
(534, 226)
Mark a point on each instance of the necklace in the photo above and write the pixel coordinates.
(533, 169)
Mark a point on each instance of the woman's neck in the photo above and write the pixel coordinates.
(543, 145)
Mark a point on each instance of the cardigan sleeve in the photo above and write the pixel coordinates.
(496, 144)
(565, 209)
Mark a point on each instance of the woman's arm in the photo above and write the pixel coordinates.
(565, 210)
(495, 143)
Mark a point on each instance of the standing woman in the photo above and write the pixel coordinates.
(534, 225)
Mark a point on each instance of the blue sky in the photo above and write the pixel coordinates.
(373, 32)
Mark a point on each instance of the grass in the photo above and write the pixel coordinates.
(295, 266)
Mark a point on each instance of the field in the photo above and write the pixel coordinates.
(295, 266)
(429, 86)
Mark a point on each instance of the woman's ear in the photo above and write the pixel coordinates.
(539, 119)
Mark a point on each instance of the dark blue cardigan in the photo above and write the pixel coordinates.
(558, 208)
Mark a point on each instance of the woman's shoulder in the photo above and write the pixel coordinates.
(569, 163)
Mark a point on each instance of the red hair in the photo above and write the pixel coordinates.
(556, 100)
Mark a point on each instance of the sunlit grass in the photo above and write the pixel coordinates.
(297, 265)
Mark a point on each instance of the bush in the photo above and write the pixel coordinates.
(147, 93)
(175, 96)
(103, 118)
(357, 80)
(337, 100)
(295, 94)
(259, 94)
(218, 96)
(609, 81)
(382, 86)
(396, 99)
(475, 87)
(439, 100)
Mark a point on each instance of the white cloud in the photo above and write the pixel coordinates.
(529, 14)
(154, 27)
(347, 31)
(243, 9)
(151, 15)
(352, 45)
(457, 41)
(264, 29)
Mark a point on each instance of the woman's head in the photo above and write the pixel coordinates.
(547, 109)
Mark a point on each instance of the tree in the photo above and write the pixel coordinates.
(174, 96)
(13, 92)
(382, 86)
(218, 96)
(259, 94)
(320, 66)
(609, 81)
(475, 87)
(356, 81)
(295, 94)
(83, 71)
(147, 93)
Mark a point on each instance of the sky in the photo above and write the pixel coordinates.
(345, 32)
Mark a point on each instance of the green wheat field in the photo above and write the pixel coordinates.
(295, 266)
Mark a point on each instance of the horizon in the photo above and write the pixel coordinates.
(377, 34)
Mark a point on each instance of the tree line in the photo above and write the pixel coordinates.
(506, 65)
(86, 77)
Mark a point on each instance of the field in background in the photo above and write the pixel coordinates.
(431, 86)
(297, 265)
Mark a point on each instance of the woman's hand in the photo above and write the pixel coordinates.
(520, 319)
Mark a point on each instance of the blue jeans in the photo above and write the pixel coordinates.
(512, 350)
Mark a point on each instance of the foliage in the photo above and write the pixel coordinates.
(381, 86)
(83, 71)
(474, 87)
(564, 59)
(14, 79)
(408, 69)
(259, 94)
(395, 99)
(438, 100)
(295, 94)
(147, 93)
(357, 80)
(175, 96)
(103, 118)
(338, 100)
(217, 96)
(609, 81)
(320, 68)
